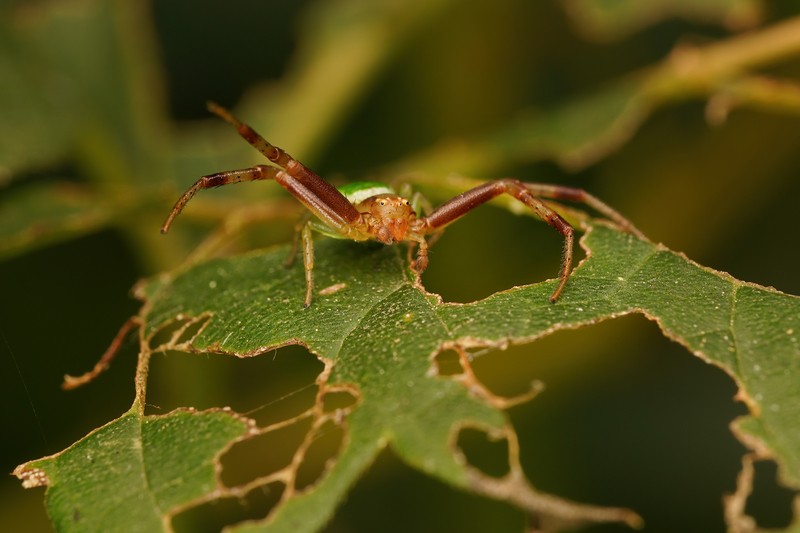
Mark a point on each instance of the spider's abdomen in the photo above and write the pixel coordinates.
(361, 190)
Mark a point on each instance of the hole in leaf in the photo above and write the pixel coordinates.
(473, 383)
(263, 454)
(506, 373)
(325, 446)
(273, 386)
(190, 329)
(402, 499)
(215, 515)
(447, 363)
(487, 454)
(491, 250)
(178, 331)
(623, 407)
(770, 503)
(340, 399)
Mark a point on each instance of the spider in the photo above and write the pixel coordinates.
(374, 211)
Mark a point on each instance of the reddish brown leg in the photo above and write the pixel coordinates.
(421, 262)
(260, 172)
(572, 194)
(469, 200)
(319, 196)
(327, 199)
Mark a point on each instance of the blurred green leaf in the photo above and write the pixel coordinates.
(79, 95)
(76, 76)
(37, 214)
(575, 134)
(615, 19)
(321, 88)
(588, 128)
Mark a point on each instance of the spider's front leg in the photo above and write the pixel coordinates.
(465, 202)
(419, 264)
(321, 198)
(260, 172)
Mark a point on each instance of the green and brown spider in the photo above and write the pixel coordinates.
(373, 211)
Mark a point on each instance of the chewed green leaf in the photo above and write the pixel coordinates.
(133, 473)
(379, 331)
(575, 134)
(747, 330)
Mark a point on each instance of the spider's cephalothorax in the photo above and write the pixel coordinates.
(387, 217)
(373, 211)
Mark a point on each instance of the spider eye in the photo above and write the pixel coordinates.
(382, 202)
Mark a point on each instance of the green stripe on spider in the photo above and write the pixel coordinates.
(359, 191)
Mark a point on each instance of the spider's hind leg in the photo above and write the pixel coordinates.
(573, 194)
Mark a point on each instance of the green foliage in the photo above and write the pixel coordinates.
(378, 334)
(139, 465)
(86, 146)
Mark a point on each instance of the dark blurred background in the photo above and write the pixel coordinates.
(99, 140)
